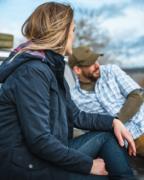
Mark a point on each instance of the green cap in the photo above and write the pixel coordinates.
(83, 56)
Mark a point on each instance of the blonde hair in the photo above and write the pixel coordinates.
(48, 27)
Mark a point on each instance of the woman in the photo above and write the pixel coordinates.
(37, 115)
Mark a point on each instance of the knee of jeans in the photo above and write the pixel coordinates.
(105, 136)
(109, 137)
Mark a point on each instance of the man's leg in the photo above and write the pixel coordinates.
(140, 145)
(104, 145)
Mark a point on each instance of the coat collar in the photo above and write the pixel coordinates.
(57, 64)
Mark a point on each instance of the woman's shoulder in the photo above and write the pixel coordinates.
(32, 66)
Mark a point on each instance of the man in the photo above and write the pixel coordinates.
(106, 89)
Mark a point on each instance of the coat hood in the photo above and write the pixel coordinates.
(16, 59)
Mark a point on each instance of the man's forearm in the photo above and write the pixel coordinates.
(131, 105)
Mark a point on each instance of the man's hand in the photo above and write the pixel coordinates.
(98, 167)
(122, 134)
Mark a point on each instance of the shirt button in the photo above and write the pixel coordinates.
(30, 166)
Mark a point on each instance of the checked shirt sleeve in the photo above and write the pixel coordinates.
(125, 82)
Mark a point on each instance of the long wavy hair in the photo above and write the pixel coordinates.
(48, 27)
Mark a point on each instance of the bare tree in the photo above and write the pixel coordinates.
(89, 32)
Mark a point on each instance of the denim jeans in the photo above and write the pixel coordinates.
(105, 146)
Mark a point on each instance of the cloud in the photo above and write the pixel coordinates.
(122, 20)
(131, 23)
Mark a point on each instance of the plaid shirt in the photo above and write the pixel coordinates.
(111, 91)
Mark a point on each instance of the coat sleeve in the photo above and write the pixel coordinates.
(32, 103)
(87, 121)
(91, 121)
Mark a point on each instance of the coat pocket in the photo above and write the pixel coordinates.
(24, 159)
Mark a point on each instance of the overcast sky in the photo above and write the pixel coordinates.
(122, 19)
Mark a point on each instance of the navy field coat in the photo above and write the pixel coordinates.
(37, 118)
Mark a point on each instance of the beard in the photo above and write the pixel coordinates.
(92, 77)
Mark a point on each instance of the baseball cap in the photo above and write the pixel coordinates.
(83, 56)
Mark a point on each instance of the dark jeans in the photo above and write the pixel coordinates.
(105, 146)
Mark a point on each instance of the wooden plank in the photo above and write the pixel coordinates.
(6, 44)
(6, 37)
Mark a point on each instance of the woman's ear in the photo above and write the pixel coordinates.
(77, 70)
